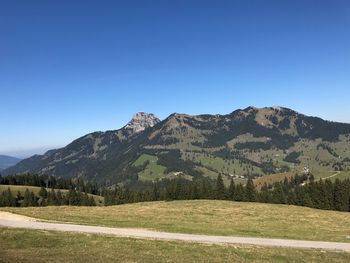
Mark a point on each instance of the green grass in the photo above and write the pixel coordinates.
(212, 165)
(208, 217)
(18, 245)
(341, 176)
(35, 189)
(153, 171)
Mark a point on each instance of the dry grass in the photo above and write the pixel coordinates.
(272, 178)
(19, 188)
(47, 246)
(208, 217)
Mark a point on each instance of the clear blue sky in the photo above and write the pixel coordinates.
(72, 67)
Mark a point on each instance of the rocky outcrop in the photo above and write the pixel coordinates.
(141, 121)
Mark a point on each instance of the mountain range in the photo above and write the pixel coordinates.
(7, 161)
(248, 142)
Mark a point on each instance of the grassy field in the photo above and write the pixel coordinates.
(341, 175)
(35, 189)
(270, 179)
(208, 217)
(20, 188)
(273, 178)
(46, 246)
(153, 171)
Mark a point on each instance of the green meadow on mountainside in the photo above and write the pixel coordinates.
(247, 143)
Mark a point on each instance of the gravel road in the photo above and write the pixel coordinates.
(17, 221)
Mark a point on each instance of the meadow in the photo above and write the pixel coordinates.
(208, 217)
(19, 245)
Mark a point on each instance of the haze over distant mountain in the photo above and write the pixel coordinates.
(7, 161)
(246, 142)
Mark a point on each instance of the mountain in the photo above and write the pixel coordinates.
(246, 142)
(93, 155)
(141, 121)
(7, 161)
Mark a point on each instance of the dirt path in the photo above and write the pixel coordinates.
(336, 173)
(17, 221)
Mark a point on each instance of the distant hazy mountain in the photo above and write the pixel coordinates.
(248, 142)
(7, 161)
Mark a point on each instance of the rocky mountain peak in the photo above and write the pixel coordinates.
(141, 121)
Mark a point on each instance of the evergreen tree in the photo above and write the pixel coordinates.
(26, 199)
(250, 192)
(195, 192)
(72, 197)
(341, 203)
(328, 193)
(220, 188)
(43, 192)
(299, 195)
(291, 198)
(60, 199)
(155, 193)
(52, 198)
(264, 197)
(92, 201)
(278, 196)
(7, 198)
(239, 193)
(231, 190)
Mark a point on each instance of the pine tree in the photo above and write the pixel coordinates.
(72, 197)
(250, 192)
(239, 193)
(43, 192)
(328, 192)
(307, 200)
(51, 198)
(195, 192)
(155, 193)
(92, 201)
(19, 198)
(27, 200)
(220, 188)
(278, 196)
(264, 197)
(339, 197)
(33, 199)
(8, 198)
(291, 198)
(231, 190)
(59, 197)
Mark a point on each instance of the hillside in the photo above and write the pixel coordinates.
(7, 161)
(210, 217)
(245, 143)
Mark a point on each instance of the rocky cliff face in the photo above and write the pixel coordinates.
(141, 121)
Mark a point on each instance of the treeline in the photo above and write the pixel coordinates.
(166, 189)
(322, 194)
(49, 182)
(182, 189)
(299, 190)
(44, 198)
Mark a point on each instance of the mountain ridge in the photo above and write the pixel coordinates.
(196, 145)
(7, 161)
